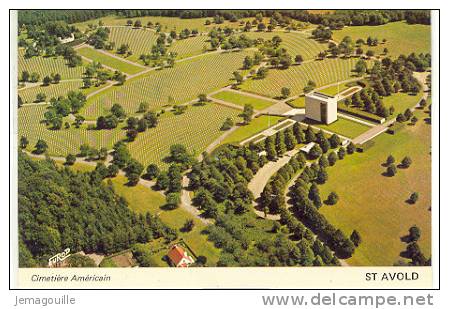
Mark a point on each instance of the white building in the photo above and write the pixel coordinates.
(321, 107)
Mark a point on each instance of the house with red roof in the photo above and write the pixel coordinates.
(179, 257)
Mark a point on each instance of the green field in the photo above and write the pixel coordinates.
(333, 90)
(64, 141)
(142, 199)
(375, 205)
(179, 83)
(47, 65)
(295, 43)
(196, 129)
(343, 127)
(299, 102)
(401, 101)
(256, 125)
(402, 38)
(322, 72)
(241, 99)
(109, 61)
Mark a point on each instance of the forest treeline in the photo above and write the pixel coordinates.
(60, 208)
(340, 17)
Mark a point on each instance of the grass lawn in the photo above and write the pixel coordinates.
(255, 126)
(333, 90)
(375, 205)
(401, 101)
(402, 38)
(241, 99)
(109, 61)
(342, 126)
(298, 103)
(142, 199)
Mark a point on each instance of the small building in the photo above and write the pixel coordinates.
(179, 257)
(321, 107)
(306, 148)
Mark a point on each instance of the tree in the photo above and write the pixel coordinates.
(247, 114)
(57, 78)
(238, 77)
(152, 171)
(356, 238)
(391, 170)
(143, 107)
(414, 120)
(172, 200)
(70, 159)
(285, 92)
(23, 142)
(315, 152)
(40, 97)
(41, 146)
(406, 162)
(118, 111)
(46, 81)
(334, 141)
(414, 233)
(332, 198)
(138, 23)
(401, 118)
(202, 98)
(408, 114)
(298, 59)
(390, 160)
(332, 158)
(131, 134)
(341, 153)
(188, 225)
(350, 148)
(227, 124)
(414, 197)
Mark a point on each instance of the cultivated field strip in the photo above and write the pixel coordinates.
(190, 46)
(196, 129)
(64, 141)
(28, 95)
(183, 83)
(47, 65)
(295, 43)
(140, 41)
(322, 72)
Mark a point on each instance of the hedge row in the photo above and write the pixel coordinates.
(359, 113)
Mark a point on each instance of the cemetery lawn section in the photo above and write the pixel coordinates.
(402, 38)
(109, 61)
(375, 205)
(257, 125)
(343, 127)
(241, 99)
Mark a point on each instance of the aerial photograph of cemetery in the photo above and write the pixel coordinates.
(223, 138)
